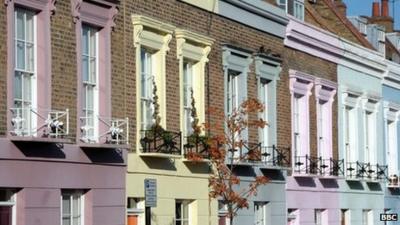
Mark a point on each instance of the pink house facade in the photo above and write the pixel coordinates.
(53, 170)
(320, 188)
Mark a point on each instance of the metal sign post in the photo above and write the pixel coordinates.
(150, 193)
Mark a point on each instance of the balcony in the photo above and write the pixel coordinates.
(101, 132)
(39, 125)
(247, 155)
(161, 143)
(366, 171)
(318, 166)
(275, 157)
(394, 182)
(196, 148)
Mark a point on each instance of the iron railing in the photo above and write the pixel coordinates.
(161, 141)
(332, 167)
(43, 123)
(318, 166)
(105, 130)
(275, 156)
(307, 165)
(366, 171)
(197, 145)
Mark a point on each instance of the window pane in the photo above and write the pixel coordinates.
(93, 44)
(27, 89)
(85, 68)
(20, 24)
(178, 210)
(30, 57)
(66, 205)
(93, 70)
(20, 51)
(85, 40)
(29, 26)
(66, 221)
(17, 86)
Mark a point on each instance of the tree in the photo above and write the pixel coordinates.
(226, 149)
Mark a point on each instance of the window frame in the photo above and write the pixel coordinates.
(100, 15)
(81, 200)
(146, 94)
(43, 11)
(91, 123)
(183, 204)
(267, 71)
(193, 48)
(300, 85)
(12, 202)
(156, 35)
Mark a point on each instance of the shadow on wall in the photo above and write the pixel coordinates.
(374, 186)
(41, 150)
(198, 168)
(104, 155)
(244, 171)
(395, 191)
(355, 185)
(276, 175)
(305, 181)
(329, 183)
(160, 163)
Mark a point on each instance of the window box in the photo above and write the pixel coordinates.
(161, 143)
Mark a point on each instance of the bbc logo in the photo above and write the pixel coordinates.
(388, 217)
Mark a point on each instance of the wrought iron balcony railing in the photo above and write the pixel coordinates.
(196, 146)
(161, 141)
(307, 165)
(102, 130)
(366, 171)
(318, 166)
(275, 156)
(40, 123)
(332, 167)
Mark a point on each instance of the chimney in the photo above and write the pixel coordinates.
(375, 9)
(385, 8)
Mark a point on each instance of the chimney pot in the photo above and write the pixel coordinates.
(385, 8)
(375, 9)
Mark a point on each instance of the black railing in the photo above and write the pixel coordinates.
(307, 165)
(318, 166)
(161, 141)
(366, 171)
(332, 167)
(275, 156)
(197, 146)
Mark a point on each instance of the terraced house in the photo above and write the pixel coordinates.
(63, 147)
(218, 53)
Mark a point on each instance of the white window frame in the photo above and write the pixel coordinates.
(92, 131)
(260, 213)
(367, 217)
(183, 204)
(187, 79)
(391, 114)
(264, 98)
(156, 35)
(345, 215)
(12, 202)
(192, 48)
(320, 217)
(81, 200)
(298, 9)
(300, 90)
(350, 101)
(28, 120)
(325, 92)
(146, 96)
(369, 132)
(136, 206)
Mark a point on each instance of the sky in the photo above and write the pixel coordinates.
(364, 7)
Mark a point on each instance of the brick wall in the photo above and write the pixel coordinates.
(296, 60)
(185, 16)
